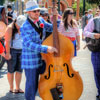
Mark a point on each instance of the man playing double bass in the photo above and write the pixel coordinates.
(33, 32)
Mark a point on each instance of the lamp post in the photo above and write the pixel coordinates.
(22, 6)
(17, 8)
(83, 6)
(37, 1)
(59, 6)
(78, 10)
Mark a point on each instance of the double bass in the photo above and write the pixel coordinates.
(59, 81)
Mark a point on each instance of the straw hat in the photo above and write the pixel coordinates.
(31, 6)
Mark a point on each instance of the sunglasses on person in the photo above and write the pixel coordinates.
(45, 15)
(36, 11)
(71, 13)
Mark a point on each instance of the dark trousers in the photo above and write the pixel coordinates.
(95, 57)
(32, 76)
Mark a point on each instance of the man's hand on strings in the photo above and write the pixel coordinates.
(52, 49)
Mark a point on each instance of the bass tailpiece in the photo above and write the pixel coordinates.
(57, 92)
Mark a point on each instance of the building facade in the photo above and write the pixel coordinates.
(48, 4)
(63, 4)
(19, 5)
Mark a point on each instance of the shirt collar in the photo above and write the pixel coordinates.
(35, 21)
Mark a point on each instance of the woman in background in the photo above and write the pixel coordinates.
(69, 28)
(13, 53)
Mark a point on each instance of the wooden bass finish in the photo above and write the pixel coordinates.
(59, 69)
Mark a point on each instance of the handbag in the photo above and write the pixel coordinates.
(93, 44)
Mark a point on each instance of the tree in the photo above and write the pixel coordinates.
(12, 0)
(87, 6)
(94, 2)
(2, 2)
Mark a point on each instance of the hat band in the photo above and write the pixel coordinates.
(32, 8)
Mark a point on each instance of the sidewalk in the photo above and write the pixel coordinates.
(81, 63)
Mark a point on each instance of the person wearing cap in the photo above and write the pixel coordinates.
(11, 15)
(33, 32)
(45, 15)
(90, 15)
(13, 53)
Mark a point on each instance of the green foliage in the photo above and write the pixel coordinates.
(87, 6)
(2, 2)
(12, 0)
(94, 1)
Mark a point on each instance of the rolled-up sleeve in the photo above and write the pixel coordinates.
(88, 30)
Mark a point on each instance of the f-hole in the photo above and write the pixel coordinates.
(47, 77)
(68, 73)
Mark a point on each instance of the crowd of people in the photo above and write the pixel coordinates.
(91, 29)
(24, 37)
(88, 15)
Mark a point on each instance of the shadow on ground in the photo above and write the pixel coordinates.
(3, 72)
(12, 96)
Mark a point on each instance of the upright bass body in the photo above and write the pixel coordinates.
(59, 71)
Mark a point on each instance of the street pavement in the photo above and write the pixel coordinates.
(81, 63)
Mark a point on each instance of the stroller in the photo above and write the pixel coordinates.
(2, 40)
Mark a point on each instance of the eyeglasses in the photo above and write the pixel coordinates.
(71, 13)
(36, 11)
(45, 15)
